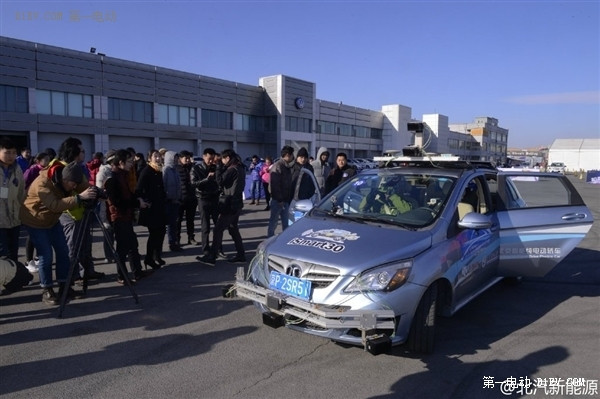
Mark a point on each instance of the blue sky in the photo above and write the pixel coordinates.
(533, 65)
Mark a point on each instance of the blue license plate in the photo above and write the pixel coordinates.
(290, 285)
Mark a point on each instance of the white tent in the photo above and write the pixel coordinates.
(576, 154)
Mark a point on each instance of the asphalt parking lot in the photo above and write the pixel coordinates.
(184, 340)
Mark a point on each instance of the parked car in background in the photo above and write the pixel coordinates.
(367, 163)
(353, 163)
(377, 260)
(557, 167)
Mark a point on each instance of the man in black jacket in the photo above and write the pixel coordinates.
(203, 180)
(232, 181)
(281, 190)
(340, 174)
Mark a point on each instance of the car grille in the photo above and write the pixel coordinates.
(320, 276)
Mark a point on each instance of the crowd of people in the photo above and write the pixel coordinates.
(54, 196)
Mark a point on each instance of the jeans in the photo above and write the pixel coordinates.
(76, 235)
(278, 210)
(255, 190)
(44, 240)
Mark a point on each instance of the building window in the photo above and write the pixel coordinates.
(453, 144)
(295, 124)
(64, 104)
(13, 99)
(216, 119)
(376, 133)
(343, 129)
(250, 123)
(176, 115)
(270, 123)
(325, 127)
(361, 131)
(129, 110)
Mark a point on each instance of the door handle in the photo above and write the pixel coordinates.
(574, 216)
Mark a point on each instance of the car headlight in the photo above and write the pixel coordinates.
(385, 278)
(257, 269)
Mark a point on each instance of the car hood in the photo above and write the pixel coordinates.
(347, 245)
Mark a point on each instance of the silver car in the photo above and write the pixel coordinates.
(378, 259)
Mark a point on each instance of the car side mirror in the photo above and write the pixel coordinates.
(303, 205)
(474, 220)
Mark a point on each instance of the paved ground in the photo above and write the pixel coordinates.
(183, 340)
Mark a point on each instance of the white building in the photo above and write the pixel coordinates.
(576, 154)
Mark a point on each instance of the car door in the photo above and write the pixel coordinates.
(473, 254)
(300, 205)
(542, 218)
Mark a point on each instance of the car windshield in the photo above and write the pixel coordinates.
(396, 197)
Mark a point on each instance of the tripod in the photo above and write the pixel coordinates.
(90, 213)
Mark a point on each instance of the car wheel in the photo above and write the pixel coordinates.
(422, 329)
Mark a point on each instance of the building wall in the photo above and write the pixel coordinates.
(42, 67)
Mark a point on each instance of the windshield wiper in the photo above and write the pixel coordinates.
(378, 219)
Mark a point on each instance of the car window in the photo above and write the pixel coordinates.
(394, 197)
(524, 192)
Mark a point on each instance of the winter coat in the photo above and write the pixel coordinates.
(93, 166)
(307, 187)
(187, 191)
(255, 169)
(151, 188)
(171, 178)
(31, 173)
(265, 174)
(11, 179)
(207, 188)
(321, 169)
(232, 181)
(46, 199)
(77, 211)
(337, 176)
(281, 182)
(121, 200)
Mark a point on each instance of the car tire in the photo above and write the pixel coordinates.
(422, 329)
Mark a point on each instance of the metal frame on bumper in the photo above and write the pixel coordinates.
(329, 317)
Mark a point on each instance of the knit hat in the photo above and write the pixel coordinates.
(73, 172)
(302, 153)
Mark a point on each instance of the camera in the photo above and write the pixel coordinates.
(100, 195)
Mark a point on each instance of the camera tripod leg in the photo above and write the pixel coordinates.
(79, 232)
(80, 235)
(120, 265)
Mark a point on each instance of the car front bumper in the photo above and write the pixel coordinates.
(339, 323)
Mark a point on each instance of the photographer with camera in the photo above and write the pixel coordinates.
(71, 150)
(52, 193)
(203, 180)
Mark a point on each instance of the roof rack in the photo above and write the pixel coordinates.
(437, 161)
